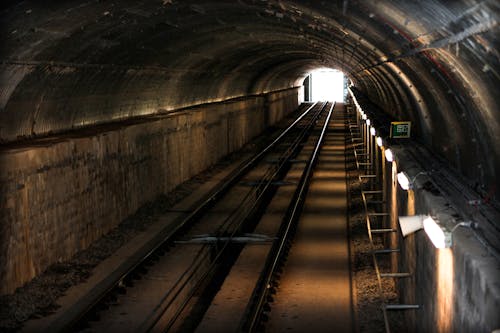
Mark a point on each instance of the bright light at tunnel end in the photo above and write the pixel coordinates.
(327, 85)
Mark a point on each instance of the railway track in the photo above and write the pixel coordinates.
(172, 283)
(267, 281)
(301, 281)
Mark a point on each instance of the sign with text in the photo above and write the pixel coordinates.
(400, 129)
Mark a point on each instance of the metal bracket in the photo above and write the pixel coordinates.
(273, 161)
(275, 183)
(246, 238)
(381, 231)
(401, 306)
(384, 251)
(395, 275)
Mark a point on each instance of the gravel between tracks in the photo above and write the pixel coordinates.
(38, 297)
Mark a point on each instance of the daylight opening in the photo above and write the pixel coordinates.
(325, 84)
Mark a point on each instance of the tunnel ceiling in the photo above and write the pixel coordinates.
(70, 64)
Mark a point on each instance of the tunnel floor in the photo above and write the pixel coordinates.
(315, 290)
(328, 213)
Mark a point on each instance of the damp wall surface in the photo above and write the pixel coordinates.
(58, 195)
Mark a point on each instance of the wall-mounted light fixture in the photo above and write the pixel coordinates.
(440, 237)
(364, 116)
(388, 155)
(380, 142)
(405, 182)
(368, 122)
(373, 132)
(411, 224)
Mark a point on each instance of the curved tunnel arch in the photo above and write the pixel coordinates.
(81, 64)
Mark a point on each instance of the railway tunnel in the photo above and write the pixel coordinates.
(106, 106)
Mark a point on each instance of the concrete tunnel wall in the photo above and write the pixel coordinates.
(76, 64)
(456, 288)
(61, 195)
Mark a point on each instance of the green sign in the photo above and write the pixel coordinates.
(400, 129)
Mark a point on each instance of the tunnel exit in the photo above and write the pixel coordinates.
(325, 84)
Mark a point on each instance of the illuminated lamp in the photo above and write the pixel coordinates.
(388, 155)
(379, 141)
(372, 131)
(438, 236)
(404, 181)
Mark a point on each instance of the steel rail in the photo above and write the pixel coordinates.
(76, 313)
(255, 308)
(253, 197)
(235, 221)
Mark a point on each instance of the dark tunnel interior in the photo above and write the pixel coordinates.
(106, 105)
(67, 65)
